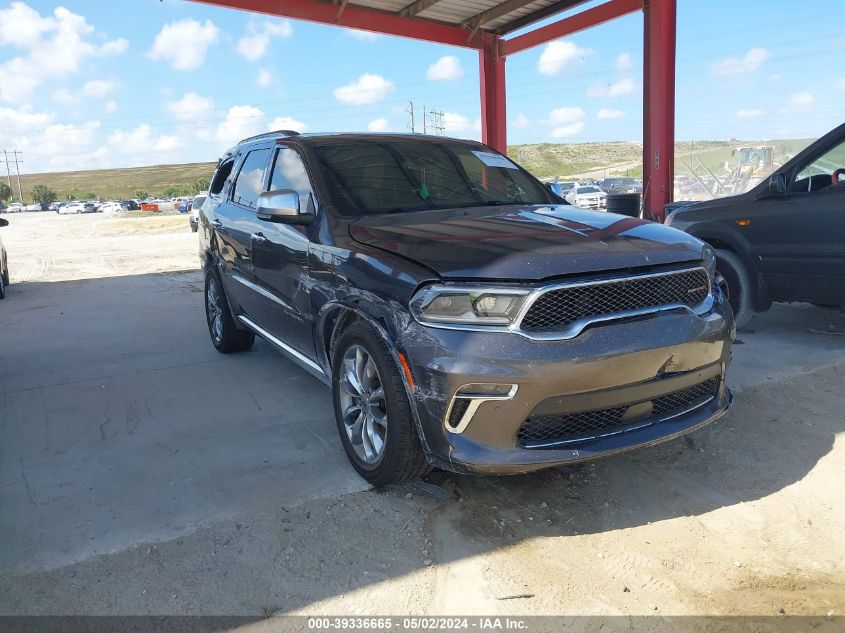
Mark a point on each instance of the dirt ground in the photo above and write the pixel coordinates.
(742, 518)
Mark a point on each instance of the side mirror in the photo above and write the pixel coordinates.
(4, 222)
(777, 185)
(281, 206)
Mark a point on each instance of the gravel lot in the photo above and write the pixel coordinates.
(142, 473)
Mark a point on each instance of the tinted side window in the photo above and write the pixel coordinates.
(221, 175)
(250, 182)
(289, 173)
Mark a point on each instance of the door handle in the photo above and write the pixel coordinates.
(217, 223)
(258, 238)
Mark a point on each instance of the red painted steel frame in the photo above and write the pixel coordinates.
(658, 106)
(567, 26)
(658, 67)
(358, 18)
(491, 72)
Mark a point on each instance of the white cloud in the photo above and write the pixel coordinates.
(240, 122)
(447, 68)
(454, 123)
(521, 121)
(65, 97)
(265, 78)
(184, 43)
(568, 130)
(623, 61)
(378, 125)
(191, 107)
(52, 46)
(368, 88)
(801, 99)
(98, 88)
(253, 46)
(558, 54)
(609, 113)
(366, 36)
(624, 86)
(110, 106)
(749, 62)
(566, 121)
(286, 123)
(750, 113)
(143, 140)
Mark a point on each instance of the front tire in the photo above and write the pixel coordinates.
(225, 336)
(372, 411)
(735, 280)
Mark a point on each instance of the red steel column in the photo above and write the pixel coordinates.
(658, 106)
(493, 97)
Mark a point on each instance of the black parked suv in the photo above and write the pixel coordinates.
(784, 240)
(463, 316)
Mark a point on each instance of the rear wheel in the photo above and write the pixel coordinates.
(3, 286)
(372, 411)
(733, 277)
(225, 336)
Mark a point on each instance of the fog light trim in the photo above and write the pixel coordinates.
(476, 394)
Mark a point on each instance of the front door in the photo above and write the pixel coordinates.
(280, 261)
(800, 237)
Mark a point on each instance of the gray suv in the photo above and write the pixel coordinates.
(462, 315)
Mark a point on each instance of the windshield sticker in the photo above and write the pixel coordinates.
(494, 160)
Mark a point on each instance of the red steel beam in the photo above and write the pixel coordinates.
(660, 18)
(491, 71)
(578, 22)
(358, 18)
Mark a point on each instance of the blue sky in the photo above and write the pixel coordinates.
(85, 83)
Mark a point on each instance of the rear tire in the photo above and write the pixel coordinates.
(393, 453)
(735, 279)
(225, 336)
(3, 286)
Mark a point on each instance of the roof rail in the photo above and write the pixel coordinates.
(269, 135)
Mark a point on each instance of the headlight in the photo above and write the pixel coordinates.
(471, 305)
(709, 257)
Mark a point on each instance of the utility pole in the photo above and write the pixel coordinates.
(425, 128)
(437, 122)
(8, 171)
(410, 111)
(18, 171)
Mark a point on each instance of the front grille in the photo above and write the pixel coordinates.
(585, 425)
(557, 309)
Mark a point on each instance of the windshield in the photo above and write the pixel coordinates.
(387, 176)
(588, 190)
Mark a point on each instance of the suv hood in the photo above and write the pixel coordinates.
(529, 242)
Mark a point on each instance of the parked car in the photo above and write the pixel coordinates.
(587, 197)
(614, 186)
(784, 240)
(562, 188)
(193, 217)
(16, 207)
(184, 206)
(77, 207)
(4, 264)
(112, 206)
(132, 205)
(462, 317)
(3, 208)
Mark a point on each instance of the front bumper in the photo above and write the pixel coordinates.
(613, 364)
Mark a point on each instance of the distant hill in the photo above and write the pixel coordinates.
(544, 160)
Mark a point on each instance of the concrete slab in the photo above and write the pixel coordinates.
(120, 424)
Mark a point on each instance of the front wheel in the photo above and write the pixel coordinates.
(372, 411)
(733, 277)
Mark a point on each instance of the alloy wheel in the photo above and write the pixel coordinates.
(363, 404)
(214, 310)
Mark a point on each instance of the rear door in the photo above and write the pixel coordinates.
(800, 237)
(233, 221)
(280, 260)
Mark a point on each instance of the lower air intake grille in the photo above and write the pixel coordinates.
(572, 427)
